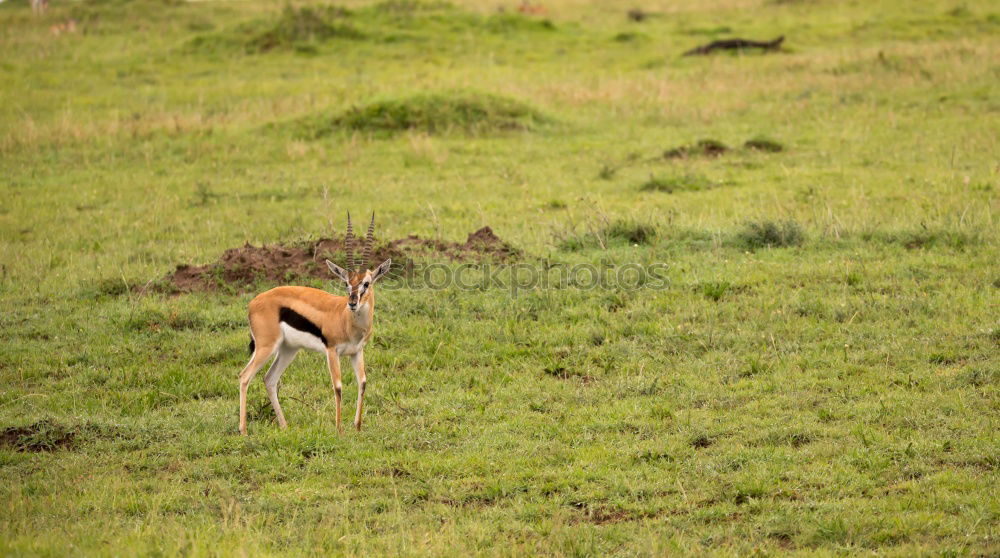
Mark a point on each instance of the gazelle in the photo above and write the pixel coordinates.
(286, 319)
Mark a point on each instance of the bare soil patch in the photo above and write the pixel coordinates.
(703, 148)
(239, 268)
(38, 437)
(601, 514)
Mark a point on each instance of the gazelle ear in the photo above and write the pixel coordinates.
(381, 270)
(338, 271)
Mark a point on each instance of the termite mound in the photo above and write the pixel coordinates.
(239, 269)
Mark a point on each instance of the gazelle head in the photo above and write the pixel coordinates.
(360, 280)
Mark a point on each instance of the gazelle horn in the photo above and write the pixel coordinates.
(368, 241)
(349, 243)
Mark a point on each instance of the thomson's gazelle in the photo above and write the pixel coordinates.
(286, 319)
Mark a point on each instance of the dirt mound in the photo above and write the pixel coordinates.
(434, 113)
(239, 268)
(482, 244)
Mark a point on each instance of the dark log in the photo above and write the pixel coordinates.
(735, 44)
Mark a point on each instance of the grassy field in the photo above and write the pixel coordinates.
(819, 376)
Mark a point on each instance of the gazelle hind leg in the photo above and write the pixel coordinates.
(285, 357)
(260, 356)
(358, 363)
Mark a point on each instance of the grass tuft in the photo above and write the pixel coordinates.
(409, 6)
(621, 231)
(512, 23)
(432, 113)
(700, 440)
(631, 231)
(924, 237)
(630, 37)
(702, 148)
(762, 143)
(714, 290)
(671, 184)
(47, 435)
(770, 234)
(297, 26)
(298, 29)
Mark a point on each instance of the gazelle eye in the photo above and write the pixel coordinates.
(366, 284)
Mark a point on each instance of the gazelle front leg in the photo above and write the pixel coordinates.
(334, 361)
(358, 363)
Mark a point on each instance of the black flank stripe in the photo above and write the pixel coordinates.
(300, 322)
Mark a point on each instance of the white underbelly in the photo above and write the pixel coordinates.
(296, 339)
(350, 348)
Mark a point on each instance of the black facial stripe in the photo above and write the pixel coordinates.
(301, 323)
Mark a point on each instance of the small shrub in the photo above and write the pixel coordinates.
(771, 234)
(714, 290)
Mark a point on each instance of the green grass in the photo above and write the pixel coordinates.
(671, 184)
(762, 143)
(765, 234)
(435, 113)
(816, 375)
